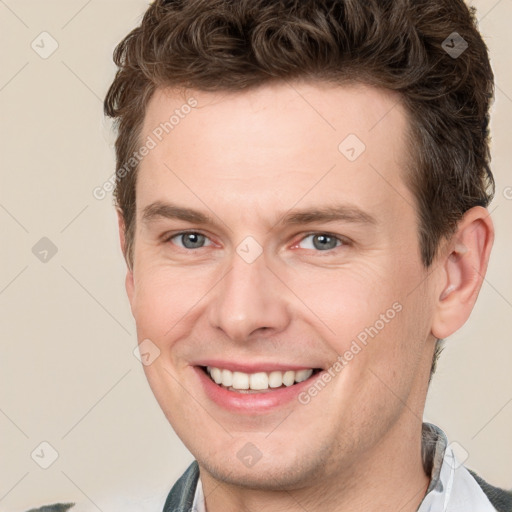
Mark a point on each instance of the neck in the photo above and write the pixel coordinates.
(387, 478)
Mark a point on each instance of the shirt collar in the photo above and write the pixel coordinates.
(452, 488)
(198, 504)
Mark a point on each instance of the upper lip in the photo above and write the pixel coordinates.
(253, 367)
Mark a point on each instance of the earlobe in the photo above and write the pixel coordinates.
(463, 267)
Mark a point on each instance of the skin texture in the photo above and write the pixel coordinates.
(247, 159)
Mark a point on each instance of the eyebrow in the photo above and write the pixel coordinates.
(159, 209)
(345, 213)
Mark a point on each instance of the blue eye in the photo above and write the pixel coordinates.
(322, 241)
(190, 240)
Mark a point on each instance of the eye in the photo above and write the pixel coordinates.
(320, 242)
(189, 240)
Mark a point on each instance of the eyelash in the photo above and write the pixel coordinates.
(343, 240)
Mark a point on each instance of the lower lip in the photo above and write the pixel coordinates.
(251, 402)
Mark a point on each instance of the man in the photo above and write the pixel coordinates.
(302, 192)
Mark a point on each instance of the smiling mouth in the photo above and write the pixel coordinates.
(259, 382)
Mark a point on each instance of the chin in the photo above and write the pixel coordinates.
(269, 475)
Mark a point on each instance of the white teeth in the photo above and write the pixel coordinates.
(240, 380)
(303, 375)
(288, 378)
(227, 378)
(275, 379)
(216, 375)
(257, 381)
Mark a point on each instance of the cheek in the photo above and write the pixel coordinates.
(164, 300)
(387, 353)
(345, 301)
(372, 316)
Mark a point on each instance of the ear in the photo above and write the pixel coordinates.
(129, 285)
(463, 267)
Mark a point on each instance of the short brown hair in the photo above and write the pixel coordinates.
(401, 45)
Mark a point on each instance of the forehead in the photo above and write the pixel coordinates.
(277, 140)
(326, 111)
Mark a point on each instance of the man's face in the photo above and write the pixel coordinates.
(256, 288)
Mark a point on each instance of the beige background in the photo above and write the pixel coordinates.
(67, 369)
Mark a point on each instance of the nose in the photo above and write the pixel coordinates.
(249, 301)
